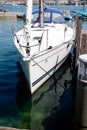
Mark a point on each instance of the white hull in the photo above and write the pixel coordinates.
(38, 69)
(43, 48)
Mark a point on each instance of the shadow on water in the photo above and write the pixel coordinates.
(61, 117)
(23, 94)
(23, 100)
(15, 102)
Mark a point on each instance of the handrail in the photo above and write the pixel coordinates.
(28, 46)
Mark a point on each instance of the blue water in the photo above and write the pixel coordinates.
(50, 108)
(21, 8)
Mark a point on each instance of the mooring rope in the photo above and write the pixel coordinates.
(55, 82)
(49, 73)
(41, 67)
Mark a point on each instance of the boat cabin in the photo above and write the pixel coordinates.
(50, 16)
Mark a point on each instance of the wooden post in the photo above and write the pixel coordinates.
(83, 49)
(78, 35)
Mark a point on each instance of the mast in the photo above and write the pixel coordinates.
(28, 22)
(41, 13)
(28, 14)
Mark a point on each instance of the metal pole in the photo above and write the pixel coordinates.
(81, 97)
(41, 7)
(28, 14)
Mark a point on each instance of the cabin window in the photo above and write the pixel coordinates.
(47, 16)
(34, 18)
(57, 18)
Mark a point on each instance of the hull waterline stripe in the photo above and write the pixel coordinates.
(48, 72)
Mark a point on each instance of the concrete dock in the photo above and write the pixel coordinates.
(11, 15)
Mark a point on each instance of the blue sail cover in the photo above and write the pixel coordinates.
(50, 15)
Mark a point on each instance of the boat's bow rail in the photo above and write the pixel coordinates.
(41, 39)
(25, 43)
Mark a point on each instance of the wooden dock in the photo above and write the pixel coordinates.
(11, 15)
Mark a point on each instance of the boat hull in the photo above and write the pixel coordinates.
(41, 67)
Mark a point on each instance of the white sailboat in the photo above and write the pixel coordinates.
(43, 44)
